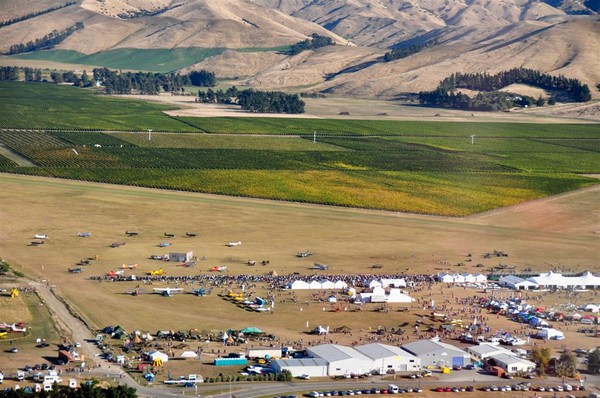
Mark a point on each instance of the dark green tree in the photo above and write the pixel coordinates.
(594, 361)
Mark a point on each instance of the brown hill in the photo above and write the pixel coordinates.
(478, 35)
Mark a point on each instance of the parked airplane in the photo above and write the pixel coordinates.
(191, 234)
(37, 242)
(3, 335)
(232, 244)
(136, 291)
(222, 268)
(156, 272)
(201, 292)
(164, 244)
(130, 266)
(321, 267)
(40, 236)
(304, 254)
(169, 235)
(115, 273)
(75, 270)
(84, 234)
(117, 244)
(131, 233)
(167, 291)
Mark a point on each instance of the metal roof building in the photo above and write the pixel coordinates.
(435, 353)
(314, 367)
(485, 350)
(513, 364)
(341, 360)
(386, 357)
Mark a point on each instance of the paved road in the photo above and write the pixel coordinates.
(76, 330)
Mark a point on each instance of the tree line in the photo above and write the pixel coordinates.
(255, 101)
(150, 83)
(405, 51)
(45, 43)
(15, 72)
(35, 14)
(316, 41)
(489, 99)
(85, 391)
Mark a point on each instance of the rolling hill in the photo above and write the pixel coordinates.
(242, 40)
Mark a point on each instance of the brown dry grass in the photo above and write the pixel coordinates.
(348, 240)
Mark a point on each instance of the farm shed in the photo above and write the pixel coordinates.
(181, 257)
(314, 367)
(386, 357)
(512, 363)
(486, 350)
(435, 353)
(341, 360)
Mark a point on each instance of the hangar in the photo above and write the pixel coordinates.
(435, 353)
(386, 357)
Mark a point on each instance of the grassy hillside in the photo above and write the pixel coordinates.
(151, 60)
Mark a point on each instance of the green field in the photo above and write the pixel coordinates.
(420, 167)
(151, 60)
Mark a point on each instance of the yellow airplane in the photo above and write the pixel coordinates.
(156, 272)
(3, 335)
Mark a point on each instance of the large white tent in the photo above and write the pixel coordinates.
(556, 280)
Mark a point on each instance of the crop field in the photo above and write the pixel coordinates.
(151, 60)
(419, 167)
(48, 106)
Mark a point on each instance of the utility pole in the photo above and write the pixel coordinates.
(473, 139)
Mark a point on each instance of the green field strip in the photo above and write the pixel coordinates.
(151, 60)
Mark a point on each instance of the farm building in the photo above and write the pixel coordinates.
(314, 367)
(514, 282)
(340, 359)
(181, 257)
(386, 357)
(486, 350)
(435, 353)
(512, 363)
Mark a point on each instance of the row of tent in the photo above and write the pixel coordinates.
(552, 280)
(461, 278)
(322, 284)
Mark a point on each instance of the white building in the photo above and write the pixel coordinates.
(341, 360)
(314, 367)
(513, 364)
(555, 280)
(514, 282)
(386, 357)
(486, 350)
(436, 353)
(181, 257)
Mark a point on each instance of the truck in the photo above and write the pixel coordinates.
(263, 353)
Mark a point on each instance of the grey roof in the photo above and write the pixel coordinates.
(289, 363)
(334, 352)
(379, 351)
(487, 349)
(422, 347)
(510, 359)
(511, 279)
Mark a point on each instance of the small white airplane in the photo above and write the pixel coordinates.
(84, 234)
(130, 266)
(40, 236)
(232, 244)
(167, 291)
(221, 268)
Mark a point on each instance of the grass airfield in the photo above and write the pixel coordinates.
(349, 241)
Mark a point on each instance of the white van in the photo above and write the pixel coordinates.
(392, 389)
